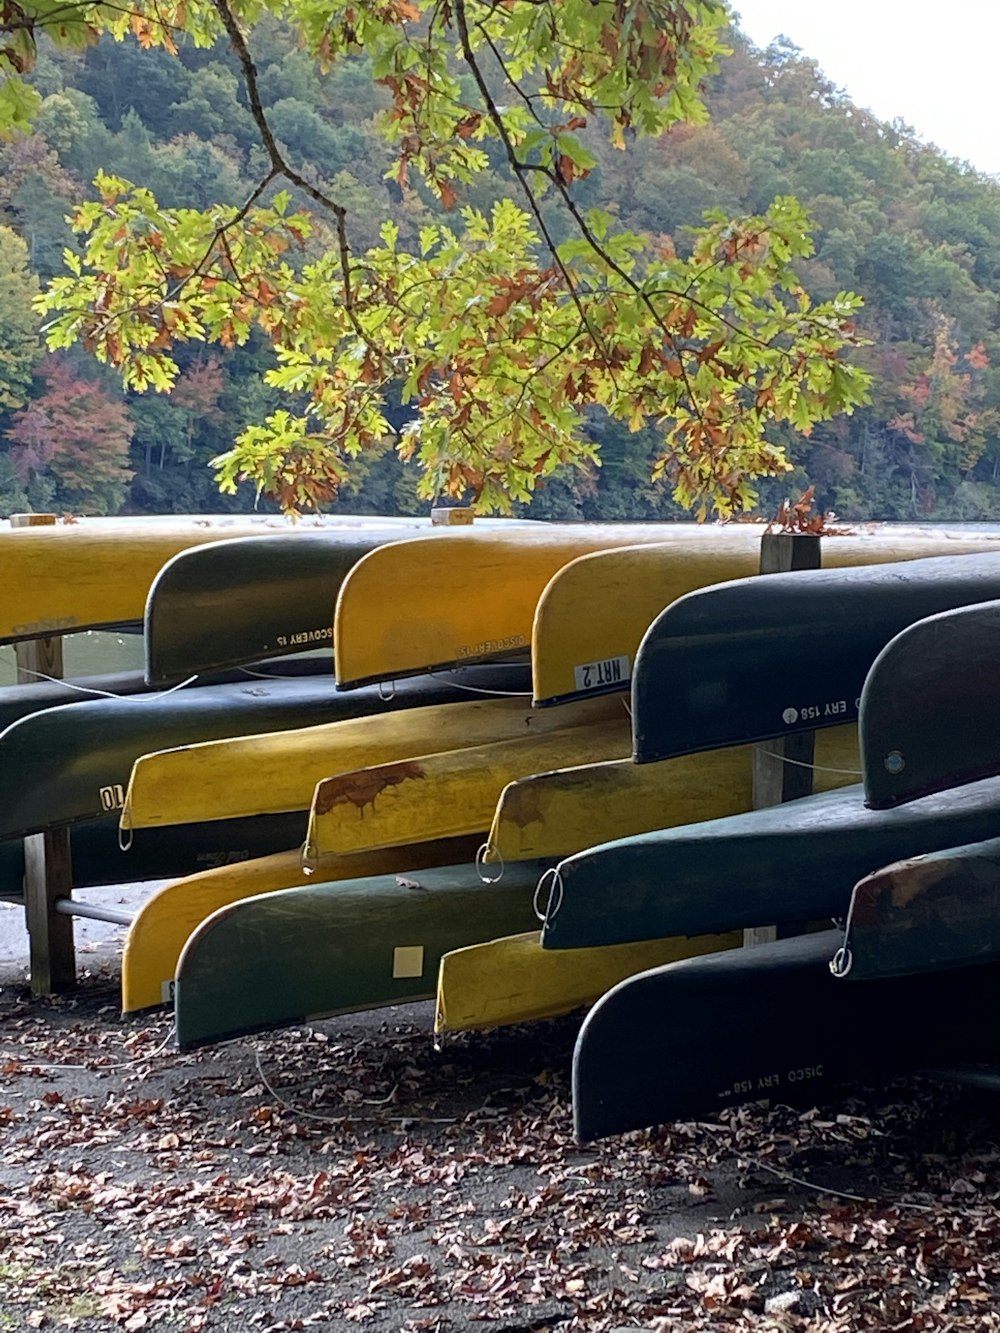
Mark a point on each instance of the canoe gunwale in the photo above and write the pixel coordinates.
(104, 626)
(577, 696)
(506, 658)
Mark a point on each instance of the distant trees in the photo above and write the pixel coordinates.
(501, 328)
(916, 234)
(19, 343)
(69, 448)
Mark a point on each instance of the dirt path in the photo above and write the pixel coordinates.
(350, 1175)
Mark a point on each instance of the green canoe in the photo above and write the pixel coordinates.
(304, 953)
(927, 912)
(763, 657)
(681, 1041)
(929, 713)
(162, 853)
(73, 762)
(251, 597)
(786, 863)
(17, 701)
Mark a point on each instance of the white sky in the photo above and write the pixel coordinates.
(934, 65)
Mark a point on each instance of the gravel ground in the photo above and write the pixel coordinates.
(352, 1175)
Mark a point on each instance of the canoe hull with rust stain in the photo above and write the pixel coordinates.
(562, 812)
(928, 912)
(929, 713)
(767, 657)
(165, 921)
(515, 980)
(73, 762)
(792, 863)
(264, 774)
(452, 793)
(764, 1022)
(325, 949)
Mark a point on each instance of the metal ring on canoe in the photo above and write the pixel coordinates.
(387, 694)
(842, 961)
(557, 888)
(125, 836)
(481, 856)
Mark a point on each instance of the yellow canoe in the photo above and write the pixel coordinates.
(68, 576)
(438, 602)
(515, 980)
(553, 814)
(447, 794)
(592, 614)
(269, 774)
(557, 814)
(165, 921)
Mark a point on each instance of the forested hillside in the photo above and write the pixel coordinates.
(915, 233)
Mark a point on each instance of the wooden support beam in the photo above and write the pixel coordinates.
(48, 877)
(782, 768)
(48, 870)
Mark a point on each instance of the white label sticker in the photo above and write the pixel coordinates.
(167, 991)
(601, 675)
(408, 960)
(112, 797)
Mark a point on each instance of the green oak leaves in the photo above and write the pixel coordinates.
(481, 343)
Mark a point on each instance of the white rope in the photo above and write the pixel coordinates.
(344, 1119)
(448, 677)
(817, 768)
(96, 1067)
(838, 1194)
(147, 698)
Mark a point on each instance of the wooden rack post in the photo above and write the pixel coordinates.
(775, 780)
(48, 871)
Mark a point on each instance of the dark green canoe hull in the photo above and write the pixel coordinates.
(73, 762)
(682, 1041)
(162, 853)
(924, 913)
(325, 949)
(784, 864)
(764, 657)
(930, 717)
(17, 701)
(232, 602)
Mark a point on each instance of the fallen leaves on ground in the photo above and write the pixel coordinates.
(350, 1175)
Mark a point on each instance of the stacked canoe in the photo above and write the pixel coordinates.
(411, 788)
(385, 830)
(925, 810)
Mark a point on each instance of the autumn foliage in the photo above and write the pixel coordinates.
(500, 331)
